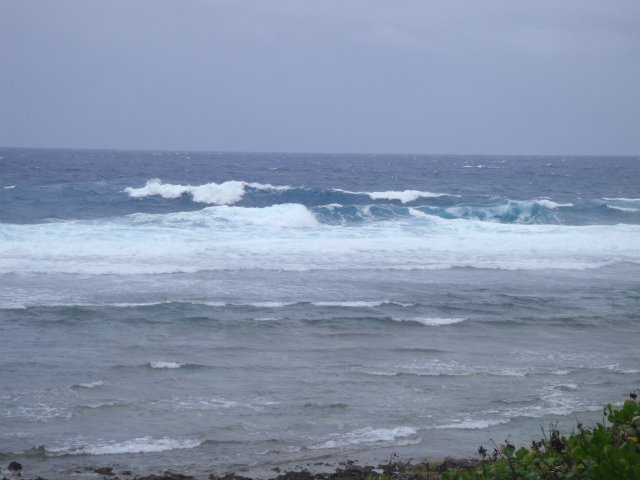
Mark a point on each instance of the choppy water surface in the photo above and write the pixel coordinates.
(249, 310)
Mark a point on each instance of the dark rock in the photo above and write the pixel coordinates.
(15, 466)
(167, 476)
(104, 471)
(301, 475)
(126, 472)
(231, 476)
(457, 463)
(351, 472)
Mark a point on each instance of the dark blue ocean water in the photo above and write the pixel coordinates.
(213, 311)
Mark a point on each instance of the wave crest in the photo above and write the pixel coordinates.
(226, 193)
(136, 445)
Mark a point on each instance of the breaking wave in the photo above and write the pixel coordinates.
(225, 193)
(365, 436)
(136, 445)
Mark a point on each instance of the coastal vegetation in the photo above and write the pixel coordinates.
(606, 451)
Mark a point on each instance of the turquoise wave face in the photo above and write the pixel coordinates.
(73, 201)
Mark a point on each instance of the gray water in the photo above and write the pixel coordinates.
(241, 322)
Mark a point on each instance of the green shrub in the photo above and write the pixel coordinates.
(603, 453)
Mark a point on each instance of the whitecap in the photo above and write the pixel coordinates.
(136, 445)
(97, 383)
(552, 205)
(129, 305)
(165, 364)
(367, 435)
(226, 193)
(624, 209)
(271, 304)
(432, 321)
(351, 304)
(404, 196)
(470, 424)
(37, 413)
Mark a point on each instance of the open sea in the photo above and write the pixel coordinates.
(207, 312)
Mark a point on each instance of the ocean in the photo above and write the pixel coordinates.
(209, 312)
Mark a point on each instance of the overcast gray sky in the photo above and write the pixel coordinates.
(393, 76)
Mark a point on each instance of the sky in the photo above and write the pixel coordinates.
(537, 77)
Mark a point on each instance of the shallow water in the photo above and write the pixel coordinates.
(214, 311)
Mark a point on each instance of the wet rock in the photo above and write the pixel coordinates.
(351, 472)
(231, 476)
(168, 476)
(104, 471)
(408, 471)
(126, 472)
(301, 475)
(457, 463)
(15, 466)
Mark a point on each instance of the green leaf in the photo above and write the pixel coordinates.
(522, 453)
(580, 453)
(508, 450)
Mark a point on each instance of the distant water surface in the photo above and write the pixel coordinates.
(216, 311)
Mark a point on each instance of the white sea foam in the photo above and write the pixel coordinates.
(624, 209)
(97, 383)
(616, 368)
(432, 322)
(232, 238)
(12, 186)
(622, 199)
(37, 413)
(352, 304)
(101, 405)
(271, 304)
(290, 449)
(135, 304)
(286, 215)
(367, 436)
(360, 303)
(404, 196)
(552, 205)
(201, 403)
(436, 368)
(470, 424)
(165, 364)
(226, 193)
(136, 445)
(554, 402)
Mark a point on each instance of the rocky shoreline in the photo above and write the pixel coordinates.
(348, 470)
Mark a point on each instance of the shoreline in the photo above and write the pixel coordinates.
(330, 469)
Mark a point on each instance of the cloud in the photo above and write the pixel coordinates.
(349, 75)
